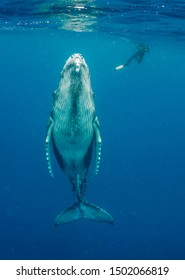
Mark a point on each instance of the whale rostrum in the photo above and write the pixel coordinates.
(74, 132)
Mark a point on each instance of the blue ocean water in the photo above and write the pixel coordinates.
(141, 181)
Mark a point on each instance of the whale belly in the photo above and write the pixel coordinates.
(72, 138)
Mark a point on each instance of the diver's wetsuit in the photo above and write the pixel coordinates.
(142, 49)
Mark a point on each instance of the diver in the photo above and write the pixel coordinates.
(138, 56)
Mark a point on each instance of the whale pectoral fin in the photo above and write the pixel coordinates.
(98, 143)
(48, 144)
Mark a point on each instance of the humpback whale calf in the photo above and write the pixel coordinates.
(73, 130)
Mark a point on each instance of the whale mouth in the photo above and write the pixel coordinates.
(76, 56)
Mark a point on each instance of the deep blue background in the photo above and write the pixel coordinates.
(142, 176)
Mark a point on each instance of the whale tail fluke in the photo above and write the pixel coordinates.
(83, 210)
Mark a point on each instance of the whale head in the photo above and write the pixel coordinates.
(75, 76)
(76, 65)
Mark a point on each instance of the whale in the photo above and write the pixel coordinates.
(73, 135)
